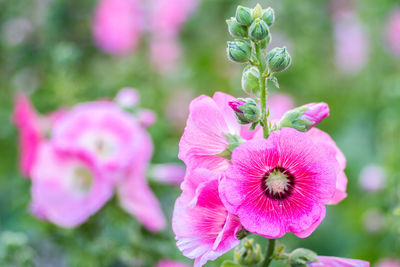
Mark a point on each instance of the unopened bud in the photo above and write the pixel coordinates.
(278, 59)
(268, 16)
(264, 43)
(301, 256)
(305, 117)
(239, 51)
(258, 30)
(249, 254)
(243, 15)
(235, 28)
(246, 110)
(257, 11)
(251, 81)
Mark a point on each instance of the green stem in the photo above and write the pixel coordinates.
(270, 253)
(264, 92)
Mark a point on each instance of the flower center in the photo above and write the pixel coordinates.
(83, 179)
(277, 183)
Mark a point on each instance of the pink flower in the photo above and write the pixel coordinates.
(351, 42)
(168, 173)
(393, 32)
(103, 131)
(135, 195)
(321, 138)
(67, 188)
(127, 98)
(280, 184)
(372, 178)
(210, 120)
(30, 136)
(117, 25)
(388, 262)
(165, 53)
(204, 229)
(167, 263)
(315, 113)
(278, 104)
(338, 262)
(146, 117)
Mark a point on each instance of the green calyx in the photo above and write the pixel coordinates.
(236, 29)
(243, 15)
(268, 16)
(278, 59)
(250, 81)
(249, 254)
(239, 51)
(233, 142)
(292, 119)
(258, 30)
(300, 257)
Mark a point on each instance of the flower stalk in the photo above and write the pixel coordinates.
(270, 253)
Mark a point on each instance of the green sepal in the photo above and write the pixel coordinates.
(253, 126)
(274, 80)
(228, 263)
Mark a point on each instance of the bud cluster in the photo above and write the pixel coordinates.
(251, 29)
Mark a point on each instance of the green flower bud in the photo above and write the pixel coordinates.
(236, 29)
(258, 30)
(249, 254)
(246, 110)
(239, 51)
(257, 11)
(243, 15)
(251, 81)
(264, 43)
(278, 59)
(268, 16)
(301, 256)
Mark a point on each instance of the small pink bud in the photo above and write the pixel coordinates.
(236, 104)
(315, 113)
(147, 117)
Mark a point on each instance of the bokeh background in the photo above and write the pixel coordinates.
(345, 53)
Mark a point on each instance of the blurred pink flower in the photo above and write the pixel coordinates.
(165, 53)
(176, 108)
(284, 181)
(393, 32)
(351, 42)
(204, 229)
(67, 188)
(388, 262)
(146, 117)
(117, 25)
(170, 173)
(338, 262)
(30, 136)
(210, 120)
(134, 194)
(127, 98)
(168, 263)
(372, 178)
(103, 131)
(278, 104)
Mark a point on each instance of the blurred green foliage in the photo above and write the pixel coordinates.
(58, 64)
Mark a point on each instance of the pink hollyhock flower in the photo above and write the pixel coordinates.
(127, 98)
(393, 32)
(372, 178)
(204, 229)
(167, 263)
(209, 121)
(117, 25)
(103, 131)
(321, 138)
(338, 262)
(168, 173)
(165, 53)
(134, 194)
(351, 42)
(280, 184)
(236, 104)
(30, 136)
(67, 188)
(388, 263)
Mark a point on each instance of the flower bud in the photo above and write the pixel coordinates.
(239, 51)
(235, 28)
(251, 81)
(249, 254)
(258, 30)
(246, 110)
(268, 16)
(264, 43)
(305, 117)
(301, 256)
(278, 59)
(243, 15)
(257, 11)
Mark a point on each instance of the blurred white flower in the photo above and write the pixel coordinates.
(373, 220)
(372, 178)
